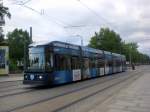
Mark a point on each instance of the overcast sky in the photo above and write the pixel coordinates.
(129, 18)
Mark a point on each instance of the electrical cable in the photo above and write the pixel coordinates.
(95, 13)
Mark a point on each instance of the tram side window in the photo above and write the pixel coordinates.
(110, 63)
(100, 63)
(114, 62)
(49, 60)
(75, 63)
(62, 62)
(93, 63)
(118, 63)
(124, 63)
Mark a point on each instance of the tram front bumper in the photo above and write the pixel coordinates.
(33, 82)
(36, 79)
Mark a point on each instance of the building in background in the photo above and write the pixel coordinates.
(4, 49)
(4, 59)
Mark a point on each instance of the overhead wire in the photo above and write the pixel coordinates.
(26, 2)
(57, 21)
(95, 13)
(50, 18)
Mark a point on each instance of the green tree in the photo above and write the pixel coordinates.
(1, 37)
(106, 39)
(131, 52)
(4, 11)
(109, 40)
(17, 41)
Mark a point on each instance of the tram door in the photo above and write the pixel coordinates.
(86, 71)
(114, 65)
(4, 69)
(101, 66)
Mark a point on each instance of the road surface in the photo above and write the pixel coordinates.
(123, 92)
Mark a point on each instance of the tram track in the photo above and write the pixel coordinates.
(27, 107)
(17, 93)
(9, 81)
(93, 94)
(11, 88)
(67, 93)
(7, 84)
(33, 89)
(12, 92)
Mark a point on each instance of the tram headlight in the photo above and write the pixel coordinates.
(40, 77)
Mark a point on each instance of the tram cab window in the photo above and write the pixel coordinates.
(62, 62)
(75, 63)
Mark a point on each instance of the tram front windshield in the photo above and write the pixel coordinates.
(36, 59)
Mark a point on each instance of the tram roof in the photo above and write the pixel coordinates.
(42, 43)
(92, 50)
(106, 52)
(121, 55)
(115, 54)
(65, 45)
(72, 46)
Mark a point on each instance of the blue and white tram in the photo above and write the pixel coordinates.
(57, 62)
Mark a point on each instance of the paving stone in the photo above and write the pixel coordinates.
(137, 99)
(134, 98)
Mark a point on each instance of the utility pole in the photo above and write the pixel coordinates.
(26, 49)
(25, 55)
(31, 34)
(81, 39)
(130, 56)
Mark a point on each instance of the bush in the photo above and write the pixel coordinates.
(13, 66)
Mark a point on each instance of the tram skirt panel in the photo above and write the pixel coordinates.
(61, 77)
(93, 72)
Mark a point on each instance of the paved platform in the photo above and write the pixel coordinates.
(11, 77)
(134, 98)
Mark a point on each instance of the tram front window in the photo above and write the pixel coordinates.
(36, 58)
